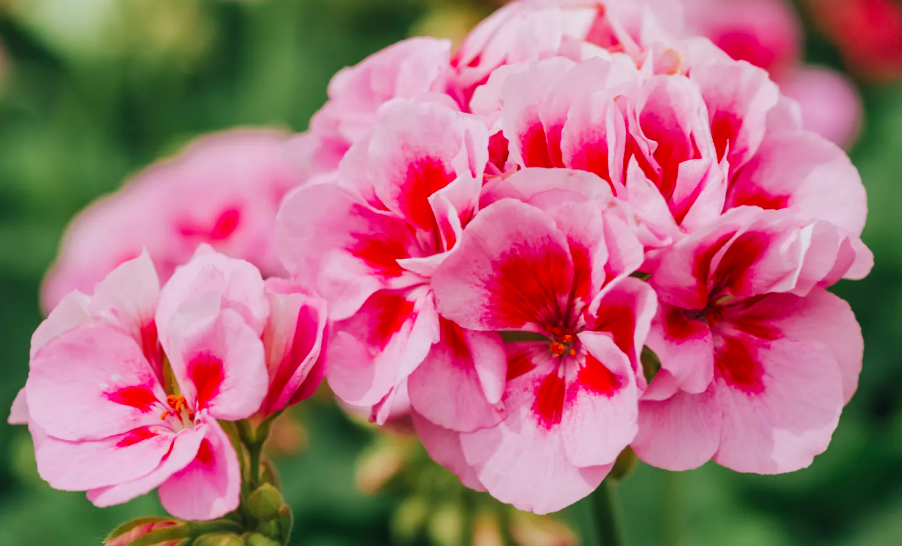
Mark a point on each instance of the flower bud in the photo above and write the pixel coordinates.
(408, 519)
(138, 528)
(487, 530)
(624, 466)
(219, 540)
(380, 464)
(257, 539)
(265, 502)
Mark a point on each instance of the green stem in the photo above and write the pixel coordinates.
(671, 508)
(608, 514)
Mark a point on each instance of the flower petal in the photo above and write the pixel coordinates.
(209, 487)
(446, 388)
(93, 382)
(512, 270)
(780, 399)
(600, 405)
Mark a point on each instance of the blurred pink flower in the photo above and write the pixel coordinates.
(757, 359)
(223, 190)
(868, 34)
(769, 34)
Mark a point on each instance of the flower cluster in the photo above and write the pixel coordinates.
(581, 232)
(129, 387)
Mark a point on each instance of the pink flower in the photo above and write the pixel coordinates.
(108, 418)
(768, 34)
(532, 30)
(369, 244)
(550, 268)
(402, 71)
(757, 359)
(223, 190)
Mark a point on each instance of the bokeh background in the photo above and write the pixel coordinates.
(93, 90)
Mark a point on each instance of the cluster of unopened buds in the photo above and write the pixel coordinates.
(582, 233)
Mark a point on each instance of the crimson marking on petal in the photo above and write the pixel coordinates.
(742, 254)
(382, 249)
(724, 128)
(205, 454)
(738, 367)
(757, 197)
(425, 176)
(226, 224)
(620, 320)
(207, 374)
(593, 157)
(549, 404)
(597, 378)
(534, 147)
(498, 150)
(519, 363)
(391, 311)
(746, 46)
(136, 437)
(529, 285)
(453, 337)
(140, 397)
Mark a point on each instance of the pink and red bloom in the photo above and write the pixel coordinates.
(223, 190)
(127, 386)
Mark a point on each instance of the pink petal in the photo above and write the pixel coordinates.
(522, 96)
(18, 413)
(738, 96)
(79, 466)
(625, 310)
(71, 311)
(679, 433)
(233, 284)
(512, 268)
(444, 447)
(600, 405)
(780, 399)
(220, 366)
(446, 388)
(820, 317)
(803, 172)
(381, 345)
(209, 487)
(294, 338)
(685, 347)
(128, 298)
(543, 187)
(522, 460)
(416, 150)
(92, 382)
(184, 450)
(330, 240)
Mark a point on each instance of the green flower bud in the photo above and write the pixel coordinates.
(219, 540)
(265, 502)
(624, 466)
(257, 539)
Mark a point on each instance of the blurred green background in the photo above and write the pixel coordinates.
(93, 90)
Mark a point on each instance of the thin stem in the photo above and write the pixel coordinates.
(608, 514)
(671, 509)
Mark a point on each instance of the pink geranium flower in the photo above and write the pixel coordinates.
(126, 387)
(551, 268)
(757, 359)
(223, 190)
(370, 243)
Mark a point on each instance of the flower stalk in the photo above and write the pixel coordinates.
(608, 515)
